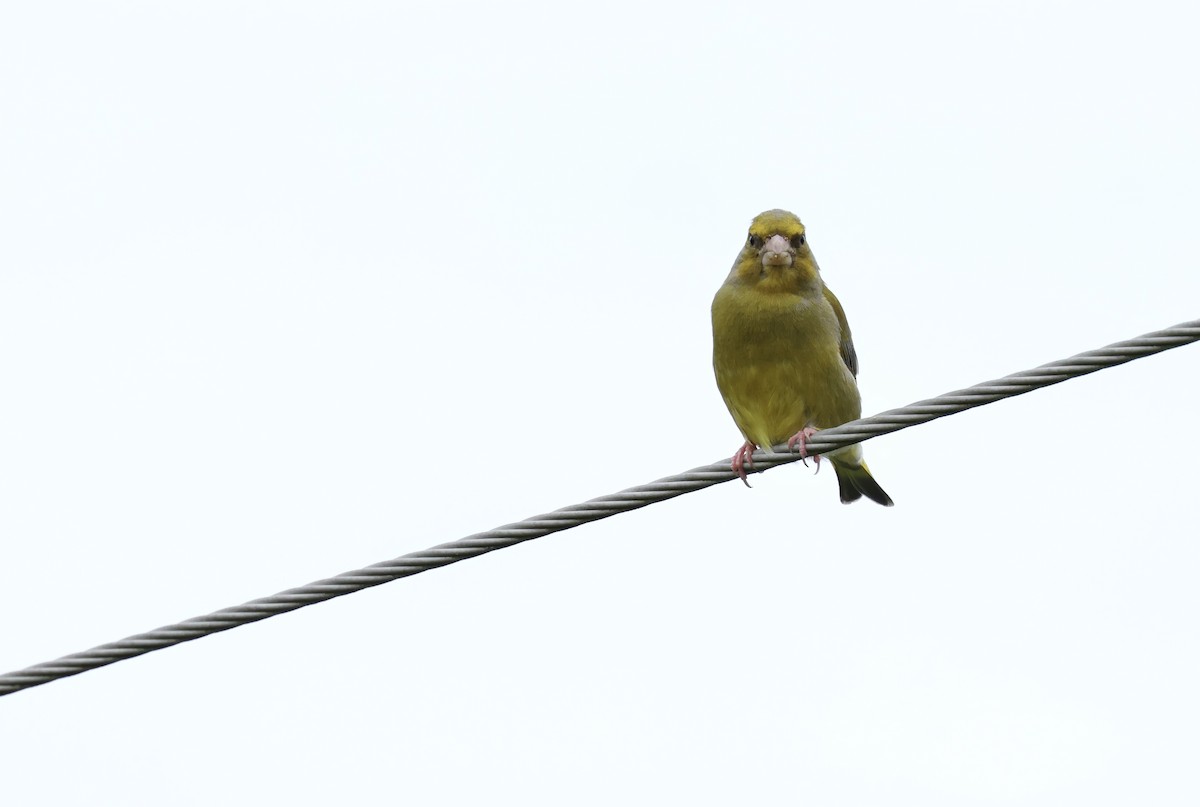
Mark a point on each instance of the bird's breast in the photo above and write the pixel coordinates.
(778, 365)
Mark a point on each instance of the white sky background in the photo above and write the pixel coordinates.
(287, 290)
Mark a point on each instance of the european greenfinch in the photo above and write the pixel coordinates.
(782, 353)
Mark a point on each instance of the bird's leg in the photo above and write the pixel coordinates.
(742, 459)
(799, 439)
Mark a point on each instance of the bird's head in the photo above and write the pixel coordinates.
(776, 256)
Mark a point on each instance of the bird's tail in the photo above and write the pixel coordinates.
(855, 481)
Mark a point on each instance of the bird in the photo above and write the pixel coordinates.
(783, 356)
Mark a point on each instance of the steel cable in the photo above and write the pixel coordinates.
(596, 509)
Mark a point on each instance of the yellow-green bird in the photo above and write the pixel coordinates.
(782, 352)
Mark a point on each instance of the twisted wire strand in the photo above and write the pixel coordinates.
(596, 509)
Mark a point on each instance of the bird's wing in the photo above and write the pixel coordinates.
(846, 344)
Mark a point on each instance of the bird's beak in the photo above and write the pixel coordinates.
(777, 252)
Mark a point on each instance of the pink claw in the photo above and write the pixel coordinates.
(801, 438)
(743, 458)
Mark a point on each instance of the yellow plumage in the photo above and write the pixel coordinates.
(782, 351)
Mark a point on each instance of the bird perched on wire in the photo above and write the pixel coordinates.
(782, 353)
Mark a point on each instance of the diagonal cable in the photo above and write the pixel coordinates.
(596, 509)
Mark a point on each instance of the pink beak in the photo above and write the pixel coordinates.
(777, 252)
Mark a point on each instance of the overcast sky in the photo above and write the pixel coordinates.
(291, 288)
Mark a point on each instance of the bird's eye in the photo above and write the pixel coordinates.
(797, 241)
(755, 241)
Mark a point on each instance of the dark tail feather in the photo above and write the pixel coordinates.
(854, 482)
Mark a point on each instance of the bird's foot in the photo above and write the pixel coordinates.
(742, 459)
(797, 442)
